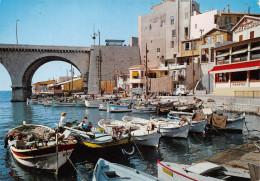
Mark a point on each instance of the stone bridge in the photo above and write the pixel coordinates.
(22, 61)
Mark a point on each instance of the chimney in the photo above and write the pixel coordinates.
(228, 10)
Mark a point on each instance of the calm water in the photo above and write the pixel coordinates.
(196, 147)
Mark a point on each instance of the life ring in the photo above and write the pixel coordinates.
(182, 121)
(128, 153)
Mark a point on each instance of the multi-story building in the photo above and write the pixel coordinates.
(236, 71)
(163, 30)
(201, 23)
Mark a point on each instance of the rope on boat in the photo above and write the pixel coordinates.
(138, 149)
(77, 170)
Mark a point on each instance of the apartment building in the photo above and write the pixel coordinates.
(164, 29)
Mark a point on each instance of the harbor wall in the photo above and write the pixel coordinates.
(107, 61)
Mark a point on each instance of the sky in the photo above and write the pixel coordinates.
(70, 23)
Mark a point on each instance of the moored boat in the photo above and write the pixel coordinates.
(147, 133)
(204, 171)
(105, 171)
(38, 146)
(148, 109)
(119, 108)
(92, 103)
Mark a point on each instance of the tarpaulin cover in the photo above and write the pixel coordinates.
(217, 120)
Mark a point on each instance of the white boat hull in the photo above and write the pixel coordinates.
(148, 140)
(46, 162)
(175, 132)
(64, 104)
(118, 110)
(92, 104)
(198, 126)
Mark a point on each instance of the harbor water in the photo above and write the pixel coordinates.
(196, 147)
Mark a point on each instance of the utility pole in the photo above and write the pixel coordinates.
(146, 78)
(192, 66)
(16, 32)
(98, 37)
(72, 74)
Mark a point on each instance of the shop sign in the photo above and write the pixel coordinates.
(239, 84)
(247, 26)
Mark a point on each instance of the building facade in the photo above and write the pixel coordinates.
(164, 29)
(236, 71)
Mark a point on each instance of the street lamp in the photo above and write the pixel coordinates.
(16, 32)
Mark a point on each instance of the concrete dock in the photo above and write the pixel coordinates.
(236, 158)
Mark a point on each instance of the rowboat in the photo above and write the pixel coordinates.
(37, 146)
(171, 128)
(92, 103)
(98, 140)
(63, 104)
(204, 171)
(119, 108)
(196, 121)
(147, 134)
(143, 109)
(105, 171)
(227, 124)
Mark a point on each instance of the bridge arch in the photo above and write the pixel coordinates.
(22, 61)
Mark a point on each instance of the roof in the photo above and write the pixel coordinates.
(190, 40)
(114, 40)
(137, 67)
(216, 29)
(45, 82)
(242, 19)
(61, 83)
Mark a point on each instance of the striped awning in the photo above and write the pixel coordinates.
(236, 67)
(239, 51)
(222, 55)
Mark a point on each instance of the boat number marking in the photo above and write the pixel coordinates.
(167, 171)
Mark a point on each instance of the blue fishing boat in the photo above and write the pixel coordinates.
(105, 170)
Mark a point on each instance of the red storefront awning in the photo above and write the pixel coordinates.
(238, 67)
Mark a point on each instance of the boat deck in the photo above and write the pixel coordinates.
(236, 158)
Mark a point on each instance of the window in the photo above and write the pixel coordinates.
(194, 45)
(172, 20)
(186, 30)
(222, 77)
(220, 38)
(193, 7)
(158, 49)
(187, 46)
(210, 40)
(238, 19)
(255, 75)
(238, 76)
(165, 73)
(150, 27)
(161, 24)
(173, 33)
(165, 63)
(228, 20)
(216, 20)
(135, 85)
(195, 26)
(172, 44)
(240, 37)
(135, 74)
(174, 55)
(252, 34)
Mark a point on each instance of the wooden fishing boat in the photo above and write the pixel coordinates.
(147, 133)
(38, 146)
(105, 171)
(171, 128)
(204, 171)
(119, 108)
(142, 109)
(196, 121)
(92, 103)
(96, 140)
